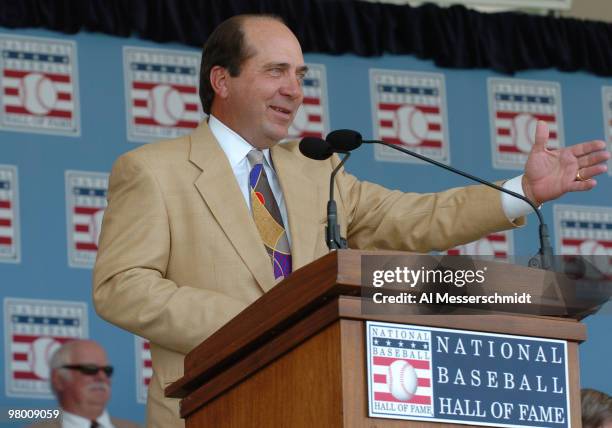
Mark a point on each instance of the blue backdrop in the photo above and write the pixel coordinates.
(43, 271)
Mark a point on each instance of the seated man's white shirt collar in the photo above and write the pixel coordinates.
(70, 420)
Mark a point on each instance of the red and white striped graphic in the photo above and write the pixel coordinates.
(35, 329)
(382, 380)
(499, 245)
(312, 118)
(39, 85)
(33, 93)
(585, 231)
(161, 93)
(31, 354)
(9, 215)
(85, 202)
(144, 368)
(515, 107)
(409, 109)
(159, 104)
(412, 125)
(607, 115)
(399, 366)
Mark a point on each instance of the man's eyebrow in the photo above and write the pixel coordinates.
(284, 65)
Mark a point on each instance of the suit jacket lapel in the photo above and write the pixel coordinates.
(303, 204)
(218, 187)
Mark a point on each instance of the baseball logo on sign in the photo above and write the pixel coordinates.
(515, 107)
(606, 95)
(399, 370)
(312, 118)
(34, 330)
(161, 89)
(585, 231)
(9, 215)
(402, 380)
(40, 86)
(409, 109)
(85, 204)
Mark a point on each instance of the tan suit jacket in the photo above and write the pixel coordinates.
(179, 254)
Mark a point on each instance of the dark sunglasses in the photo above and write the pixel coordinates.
(90, 369)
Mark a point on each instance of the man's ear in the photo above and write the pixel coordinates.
(58, 382)
(219, 80)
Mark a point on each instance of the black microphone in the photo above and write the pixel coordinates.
(318, 149)
(315, 148)
(344, 139)
(543, 260)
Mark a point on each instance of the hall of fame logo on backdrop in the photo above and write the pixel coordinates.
(9, 215)
(515, 106)
(409, 109)
(500, 245)
(33, 331)
(85, 204)
(39, 85)
(606, 94)
(312, 118)
(144, 368)
(586, 231)
(161, 88)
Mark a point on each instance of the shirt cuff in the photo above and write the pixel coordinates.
(514, 207)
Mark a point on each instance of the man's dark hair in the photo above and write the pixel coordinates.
(596, 408)
(225, 47)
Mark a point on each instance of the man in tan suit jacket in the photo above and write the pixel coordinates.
(179, 253)
(80, 379)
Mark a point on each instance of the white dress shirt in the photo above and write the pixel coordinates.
(70, 420)
(514, 207)
(236, 148)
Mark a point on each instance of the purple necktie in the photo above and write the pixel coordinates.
(267, 216)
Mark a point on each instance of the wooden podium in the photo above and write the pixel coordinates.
(296, 356)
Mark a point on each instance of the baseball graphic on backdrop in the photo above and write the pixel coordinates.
(483, 247)
(412, 125)
(300, 121)
(402, 380)
(40, 354)
(96, 225)
(166, 105)
(523, 131)
(38, 93)
(597, 254)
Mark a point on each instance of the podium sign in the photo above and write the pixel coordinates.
(466, 377)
